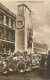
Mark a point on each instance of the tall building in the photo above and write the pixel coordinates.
(7, 29)
(23, 32)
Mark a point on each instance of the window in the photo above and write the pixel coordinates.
(12, 23)
(0, 18)
(0, 32)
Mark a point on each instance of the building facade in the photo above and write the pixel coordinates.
(7, 29)
(18, 38)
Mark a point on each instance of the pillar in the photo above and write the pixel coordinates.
(9, 51)
(4, 20)
(25, 38)
(32, 46)
(9, 22)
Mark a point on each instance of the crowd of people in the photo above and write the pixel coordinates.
(34, 59)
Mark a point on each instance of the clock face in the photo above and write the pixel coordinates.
(20, 24)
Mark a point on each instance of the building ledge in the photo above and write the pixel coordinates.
(7, 41)
(25, 6)
(1, 24)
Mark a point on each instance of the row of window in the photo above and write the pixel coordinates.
(6, 47)
(11, 23)
(7, 34)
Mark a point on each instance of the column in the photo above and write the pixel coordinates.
(4, 50)
(9, 51)
(4, 21)
(5, 36)
(32, 46)
(26, 38)
(9, 22)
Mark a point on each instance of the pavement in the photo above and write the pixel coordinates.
(35, 74)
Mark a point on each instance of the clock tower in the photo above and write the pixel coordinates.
(23, 28)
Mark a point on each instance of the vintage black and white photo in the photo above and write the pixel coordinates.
(24, 40)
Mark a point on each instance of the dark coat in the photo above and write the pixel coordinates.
(42, 61)
(48, 64)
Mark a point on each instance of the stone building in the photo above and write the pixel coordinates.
(40, 48)
(20, 37)
(7, 29)
(23, 32)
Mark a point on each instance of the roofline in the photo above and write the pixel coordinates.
(7, 10)
(25, 6)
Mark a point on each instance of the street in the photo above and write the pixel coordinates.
(35, 74)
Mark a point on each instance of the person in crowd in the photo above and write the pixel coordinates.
(48, 65)
(42, 61)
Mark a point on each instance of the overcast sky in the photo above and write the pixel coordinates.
(40, 18)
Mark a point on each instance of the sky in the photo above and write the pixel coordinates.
(40, 17)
